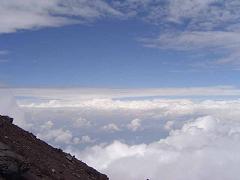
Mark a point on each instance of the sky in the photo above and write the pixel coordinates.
(135, 88)
(119, 44)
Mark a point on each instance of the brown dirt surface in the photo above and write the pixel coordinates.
(34, 159)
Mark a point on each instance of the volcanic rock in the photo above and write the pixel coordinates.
(24, 157)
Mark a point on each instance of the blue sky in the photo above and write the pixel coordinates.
(116, 47)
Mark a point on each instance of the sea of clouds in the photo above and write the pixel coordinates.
(155, 138)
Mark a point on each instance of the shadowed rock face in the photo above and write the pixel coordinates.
(24, 157)
(12, 165)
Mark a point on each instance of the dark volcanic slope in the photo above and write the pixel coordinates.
(21, 153)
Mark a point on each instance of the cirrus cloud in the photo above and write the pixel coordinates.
(31, 14)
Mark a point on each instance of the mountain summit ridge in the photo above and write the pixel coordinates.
(24, 157)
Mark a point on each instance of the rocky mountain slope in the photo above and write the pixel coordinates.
(24, 157)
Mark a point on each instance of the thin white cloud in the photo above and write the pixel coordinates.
(196, 40)
(192, 14)
(4, 60)
(134, 125)
(4, 52)
(31, 14)
(223, 43)
(86, 139)
(83, 140)
(208, 26)
(51, 97)
(111, 127)
(195, 24)
(168, 125)
(81, 122)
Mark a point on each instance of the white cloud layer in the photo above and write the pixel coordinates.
(51, 97)
(204, 148)
(132, 139)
